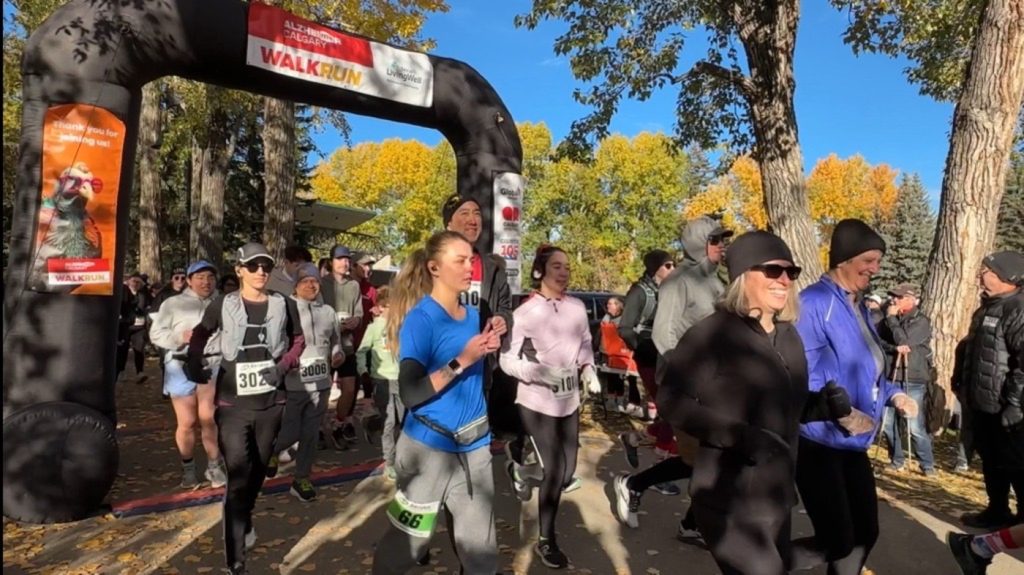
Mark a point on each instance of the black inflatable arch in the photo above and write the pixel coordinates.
(60, 455)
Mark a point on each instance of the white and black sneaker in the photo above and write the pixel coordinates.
(627, 502)
(688, 534)
(250, 538)
(519, 485)
(550, 554)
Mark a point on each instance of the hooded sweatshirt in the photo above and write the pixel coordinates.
(179, 314)
(689, 294)
(323, 340)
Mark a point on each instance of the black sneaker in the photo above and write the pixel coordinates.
(988, 519)
(667, 488)
(550, 554)
(970, 562)
(632, 454)
(338, 437)
(238, 569)
(272, 467)
(424, 559)
(303, 489)
(321, 441)
(348, 432)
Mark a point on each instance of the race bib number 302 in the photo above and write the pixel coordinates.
(249, 380)
(416, 519)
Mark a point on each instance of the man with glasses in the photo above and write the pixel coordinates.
(906, 336)
(685, 297)
(174, 287)
(988, 377)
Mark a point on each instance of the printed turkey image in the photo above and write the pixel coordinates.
(75, 233)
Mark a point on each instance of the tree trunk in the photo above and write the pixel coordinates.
(150, 132)
(279, 175)
(195, 197)
(221, 139)
(768, 31)
(979, 151)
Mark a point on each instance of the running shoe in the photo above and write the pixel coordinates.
(550, 554)
(667, 488)
(573, 485)
(627, 502)
(216, 474)
(303, 489)
(272, 466)
(188, 476)
(250, 538)
(519, 486)
(970, 563)
(632, 454)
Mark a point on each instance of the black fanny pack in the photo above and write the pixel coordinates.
(466, 435)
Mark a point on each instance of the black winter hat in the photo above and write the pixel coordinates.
(452, 205)
(755, 248)
(1008, 266)
(850, 239)
(654, 259)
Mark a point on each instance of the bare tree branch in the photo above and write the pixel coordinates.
(741, 82)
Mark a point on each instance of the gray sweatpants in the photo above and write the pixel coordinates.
(302, 415)
(388, 402)
(428, 480)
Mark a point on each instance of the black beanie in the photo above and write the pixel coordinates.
(1008, 266)
(654, 259)
(452, 205)
(850, 239)
(755, 248)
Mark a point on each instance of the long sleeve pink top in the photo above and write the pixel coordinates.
(549, 344)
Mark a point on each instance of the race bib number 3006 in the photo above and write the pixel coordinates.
(249, 380)
(313, 369)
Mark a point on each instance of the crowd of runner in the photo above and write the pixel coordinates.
(757, 393)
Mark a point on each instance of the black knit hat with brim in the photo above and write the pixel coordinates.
(1008, 266)
(850, 239)
(753, 249)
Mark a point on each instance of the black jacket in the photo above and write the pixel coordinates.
(989, 369)
(495, 295)
(743, 394)
(915, 330)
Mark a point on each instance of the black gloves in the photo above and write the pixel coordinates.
(1012, 416)
(837, 400)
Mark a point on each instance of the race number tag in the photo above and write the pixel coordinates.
(416, 519)
(569, 385)
(471, 297)
(990, 321)
(248, 380)
(313, 369)
(140, 321)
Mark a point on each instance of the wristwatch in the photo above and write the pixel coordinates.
(456, 367)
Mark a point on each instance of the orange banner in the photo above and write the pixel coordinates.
(77, 226)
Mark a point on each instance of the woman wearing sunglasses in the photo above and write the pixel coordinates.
(549, 346)
(834, 476)
(260, 341)
(737, 381)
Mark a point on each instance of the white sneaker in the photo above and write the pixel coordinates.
(625, 506)
(216, 475)
(250, 539)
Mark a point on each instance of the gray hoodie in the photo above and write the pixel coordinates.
(689, 294)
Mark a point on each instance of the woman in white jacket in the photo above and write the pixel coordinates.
(170, 331)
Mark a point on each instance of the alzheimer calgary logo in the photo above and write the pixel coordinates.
(404, 75)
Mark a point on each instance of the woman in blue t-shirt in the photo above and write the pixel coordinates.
(443, 456)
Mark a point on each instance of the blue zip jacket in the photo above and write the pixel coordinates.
(836, 351)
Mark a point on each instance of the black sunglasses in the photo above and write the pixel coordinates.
(715, 240)
(775, 271)
(178, 278)
(267, 266)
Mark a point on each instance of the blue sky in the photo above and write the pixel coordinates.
(845, 104)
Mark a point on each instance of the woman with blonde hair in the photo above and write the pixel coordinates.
(443, 455)
(737, 381)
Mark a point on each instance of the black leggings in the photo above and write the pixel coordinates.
(838, 491)
(556, 440)
(746, 545)
(136, 343)
(246, 439)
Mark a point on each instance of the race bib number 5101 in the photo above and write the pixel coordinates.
(416, 519)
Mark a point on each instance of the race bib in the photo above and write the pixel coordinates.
(313, 369)
(471, 297)
(565, 383)
(248, 380)
(140, 321)
(416, 519)
(990, 321)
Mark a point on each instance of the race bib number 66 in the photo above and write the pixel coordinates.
(416, 519)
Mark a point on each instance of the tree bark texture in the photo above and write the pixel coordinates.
(972, 187)
(768, 32)
(279, 175)
(195, 197)
(150, 130)
(220, 147)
